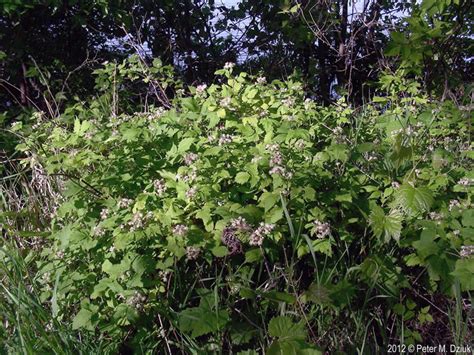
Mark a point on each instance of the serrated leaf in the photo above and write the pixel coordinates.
(413, 200)
(390, 226)
(284, 328)
(242, 177)
(199, 321)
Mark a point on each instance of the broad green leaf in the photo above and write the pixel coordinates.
(284, 328)
(390, 226)
(413, 200)
(242, 177)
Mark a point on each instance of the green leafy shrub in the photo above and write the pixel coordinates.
(193, 226)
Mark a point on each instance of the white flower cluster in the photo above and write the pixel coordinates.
(466, 251)
(466, 182)
(137, 301)
(189, 177)
(98, 231)
(125, 203)
(300, 144)
(289, 101)
(225, 139)
(308, 103)
(158, 113)
(192, 253)
(369, 156)
(280, 170)
(180, 230)
(191, 193)
(160, 187)
(261, 80)
(200, 89)
(435, 216)
(225, 102)
(229, 65)
(104, 213)
(190, 158)
(276, 161)
(240, 223)
(454, 204)
(256, 238)
(263, 113)
(395, 184)
(163, 275)
(322, 229)
(138, 220)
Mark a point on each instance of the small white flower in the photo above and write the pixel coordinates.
(435, 216)
(210, 138)
(125, 202)
(136, 222)
(240, 223)
(200, 89)
(98, 231)
(104, 213)
(137, 301)
(190, 158)
(454, 204)
(261, 80)
(276, 159)
(465, 181)
(180, 230)
(395, 184)
(273, 147)
(160, 187)
(322, 229)
(466, 251)
(264, 229)
(229, 65)
(191, 192)
(192, 253)
(225, 102)
(289, 101)
(300, 144)
(225, 139)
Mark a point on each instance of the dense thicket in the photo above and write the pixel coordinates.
(281, 177)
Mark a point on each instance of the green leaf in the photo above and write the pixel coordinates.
(279, 296)
(252, 93)
(185, 144)
(253, 255)
(292, 347)
(83, 320)
(284, 328)
(464, 272)
(413, 200)
(390, 226)
(221, 113)
(468, 218)
(199, 321)
(426, 246)
(274, 215)
(242, 177)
